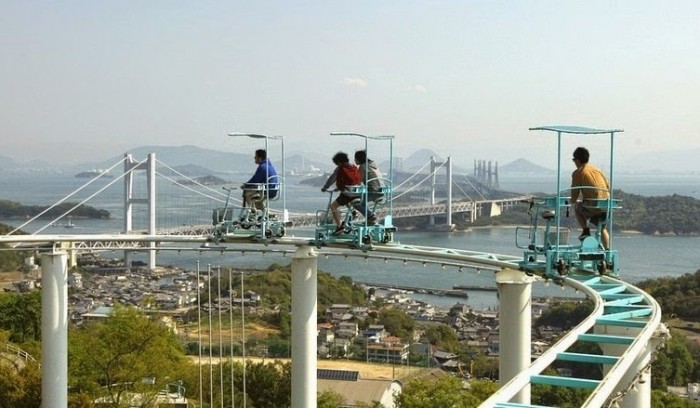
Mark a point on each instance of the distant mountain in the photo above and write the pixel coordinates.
(191, 156)
(196, 161)
(670, 161)
(524, 166)
(302, 164)
(419, 158)
(422, 156)
(191, 170)
(7, 163)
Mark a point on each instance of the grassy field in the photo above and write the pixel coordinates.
(366, 370)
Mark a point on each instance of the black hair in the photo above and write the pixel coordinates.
(341, 158)
(361, 156)
(261, 153)
(582, 154)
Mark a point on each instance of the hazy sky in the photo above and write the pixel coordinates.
(88, 80)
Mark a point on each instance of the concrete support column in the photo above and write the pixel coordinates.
(54, 330)
(72, 254)
(304, 299)
(515, 322)
(639, 396)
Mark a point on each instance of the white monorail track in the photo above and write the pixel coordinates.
(626, 321)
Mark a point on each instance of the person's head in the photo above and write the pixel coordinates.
(360, 156)
(260, 155)
(581, 155)
(341, 158)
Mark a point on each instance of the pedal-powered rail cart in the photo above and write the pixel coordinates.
(548, 249)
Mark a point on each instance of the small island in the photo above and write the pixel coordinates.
(12, 209)
(94, 173)
(208, 180)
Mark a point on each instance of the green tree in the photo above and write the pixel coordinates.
(272, 384)
(329, 399)
(397, 322)
(11, 260)
(564, 397)
(674, 364)
(111, 358)
(442, 336)
(20, 386)
(485, 367)
(565, 314)
(20, 314)
(661, 399)
(446, 391)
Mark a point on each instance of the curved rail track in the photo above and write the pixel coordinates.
(625, 323)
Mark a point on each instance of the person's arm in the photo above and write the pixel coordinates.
(260, 176)
(331, 180)
(575, 183)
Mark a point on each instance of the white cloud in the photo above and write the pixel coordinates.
(418, 88)
(352, 81)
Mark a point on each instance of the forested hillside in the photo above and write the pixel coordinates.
(12, 209)
(10, 260)
(676, 296)
(674, 215)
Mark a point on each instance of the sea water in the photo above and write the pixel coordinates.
(641, 256)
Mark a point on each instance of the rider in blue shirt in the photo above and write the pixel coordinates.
(263, 185)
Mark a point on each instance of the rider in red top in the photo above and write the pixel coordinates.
(345, 174)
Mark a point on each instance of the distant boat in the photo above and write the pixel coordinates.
(69, 224)
(94, 173)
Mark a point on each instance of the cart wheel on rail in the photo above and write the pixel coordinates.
(562, 267)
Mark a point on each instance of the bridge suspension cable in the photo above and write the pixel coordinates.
(473, 186)
(74, 207)
(188, 178)
(412, 176)
(64, 199)
(420, 182)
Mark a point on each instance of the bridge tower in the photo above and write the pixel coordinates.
(130, 168)
(434, 164)
(484, 173)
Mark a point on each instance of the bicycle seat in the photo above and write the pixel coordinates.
(549, 214)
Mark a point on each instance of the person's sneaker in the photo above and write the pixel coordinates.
(584, 234)
(340, 229)
(372, 219)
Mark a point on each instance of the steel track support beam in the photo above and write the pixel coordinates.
(304, 299)
(515, 328)
(54, 329)
(635, 384)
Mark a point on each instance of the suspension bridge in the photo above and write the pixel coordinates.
(625, 322)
